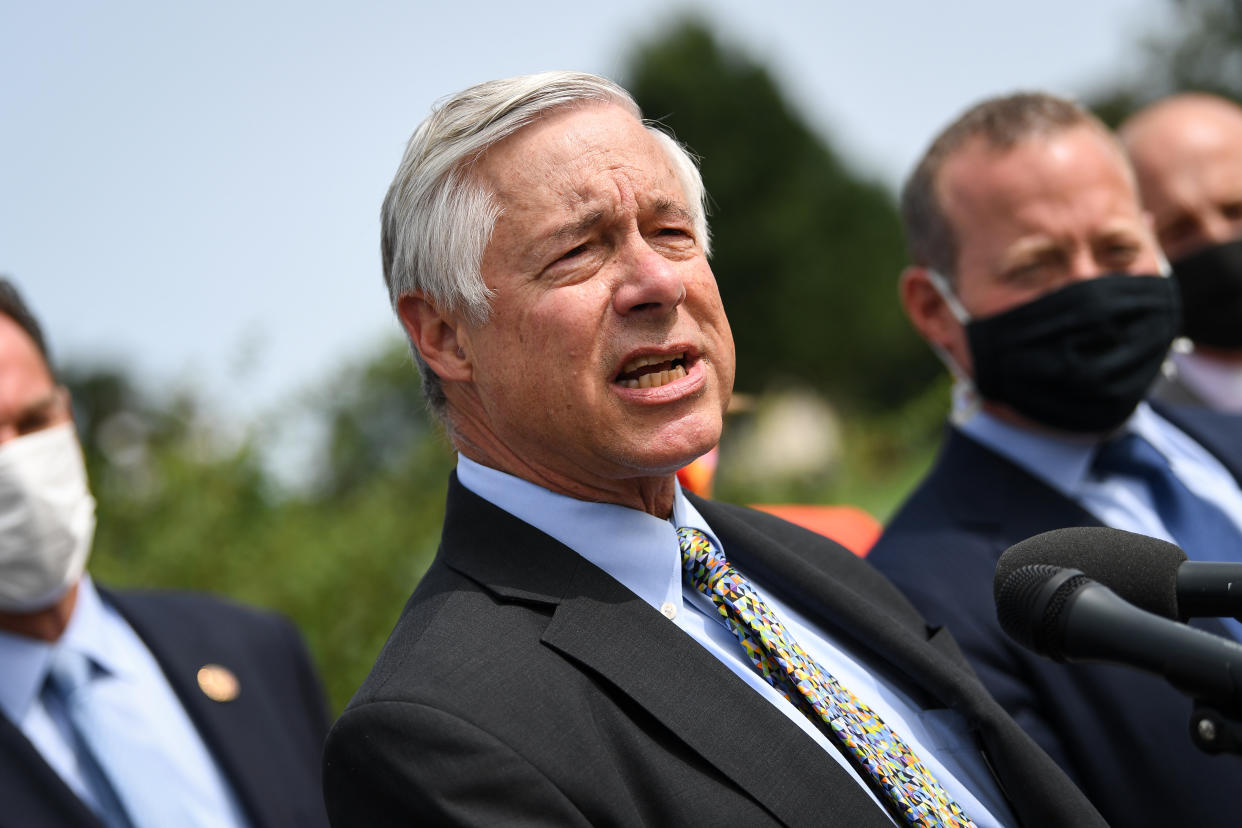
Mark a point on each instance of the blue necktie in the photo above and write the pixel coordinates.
(68, 672)
(122, 764)
(1200, 527)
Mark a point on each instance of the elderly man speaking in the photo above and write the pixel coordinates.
(592, 646)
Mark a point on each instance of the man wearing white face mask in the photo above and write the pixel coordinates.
(125, 708)
(1037, 277)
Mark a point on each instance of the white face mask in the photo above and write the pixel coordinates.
(47, 518)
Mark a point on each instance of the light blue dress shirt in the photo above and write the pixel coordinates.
(642, 552)
(135, 685)
(1063, 461)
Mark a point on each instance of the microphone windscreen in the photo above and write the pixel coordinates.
(1140, 569)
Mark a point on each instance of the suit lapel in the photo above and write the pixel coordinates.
(225, 733)
(898, 647)
(32, 793)
(1220, 434)
(606, 630)
(984, 490)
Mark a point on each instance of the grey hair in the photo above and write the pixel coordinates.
(437, 219)
(1002, 123)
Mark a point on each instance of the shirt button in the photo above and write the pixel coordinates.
(669, 610)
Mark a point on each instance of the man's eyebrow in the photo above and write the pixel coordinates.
(671, 209)
(38, 406)
(576, 228)
(539, 246)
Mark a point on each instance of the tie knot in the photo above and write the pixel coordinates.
(702, 562)
(1130, 454)
(68, 671)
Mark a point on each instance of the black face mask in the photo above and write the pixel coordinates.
(1080, 358)
(1210, 282)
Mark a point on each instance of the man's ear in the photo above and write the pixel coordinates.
(436, 336)
(927, 309)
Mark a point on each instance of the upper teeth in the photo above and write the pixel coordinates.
(650, 359)
(653, 379)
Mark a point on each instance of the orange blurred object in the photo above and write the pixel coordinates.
(849, 526)
(698, 476)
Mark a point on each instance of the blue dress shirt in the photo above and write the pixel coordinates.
(642, 552)
(135, 685)
(1063, 461)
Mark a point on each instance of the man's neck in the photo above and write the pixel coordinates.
(45, 624)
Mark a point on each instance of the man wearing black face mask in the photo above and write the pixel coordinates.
(1187, 152)
(1036, 277)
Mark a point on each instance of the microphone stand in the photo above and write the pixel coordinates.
(1213, 732)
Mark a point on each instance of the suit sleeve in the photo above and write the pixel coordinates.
(403, 763)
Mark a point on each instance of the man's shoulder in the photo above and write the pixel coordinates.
(180, 624)
(191, 607)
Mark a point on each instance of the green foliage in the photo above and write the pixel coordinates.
(375, 416)
(177, 509)
(806, 253)
(1201, 51)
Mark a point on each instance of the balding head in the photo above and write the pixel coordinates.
(1187, 152)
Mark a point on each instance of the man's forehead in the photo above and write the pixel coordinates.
(587, 160)
(980, 172)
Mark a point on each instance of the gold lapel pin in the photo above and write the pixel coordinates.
(218, 683)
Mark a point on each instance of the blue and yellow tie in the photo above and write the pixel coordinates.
(881, 756)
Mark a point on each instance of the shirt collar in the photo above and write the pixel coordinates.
(1063, 461)
(637, 549)
(26, 660)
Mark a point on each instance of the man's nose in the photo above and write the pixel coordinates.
(1215, 228)
(651, 283)
(1083, 265)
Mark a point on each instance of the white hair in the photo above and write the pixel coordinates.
(437, 219)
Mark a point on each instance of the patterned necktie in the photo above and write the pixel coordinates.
(1201, 529)
(882, 758)
(125, 769)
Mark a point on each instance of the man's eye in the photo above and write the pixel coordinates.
(34, 422)
(1025, 273)
(570, 254)
(1232, 210)
(1121, 253)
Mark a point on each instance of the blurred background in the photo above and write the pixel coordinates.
(189, 198)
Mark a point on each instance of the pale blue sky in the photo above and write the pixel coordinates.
(193, 188)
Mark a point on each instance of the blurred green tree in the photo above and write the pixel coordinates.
(1201, 51)
(181, 507)
(806, 252)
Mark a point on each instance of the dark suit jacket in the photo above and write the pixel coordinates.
(1122, 735)
(267, 741)
(523, 685)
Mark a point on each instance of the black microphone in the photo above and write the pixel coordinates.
(1063, 614)
(1147, 572)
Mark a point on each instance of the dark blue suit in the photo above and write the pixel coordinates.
(1122, 735)
(267, 741)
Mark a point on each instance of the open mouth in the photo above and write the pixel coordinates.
(652, 371)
